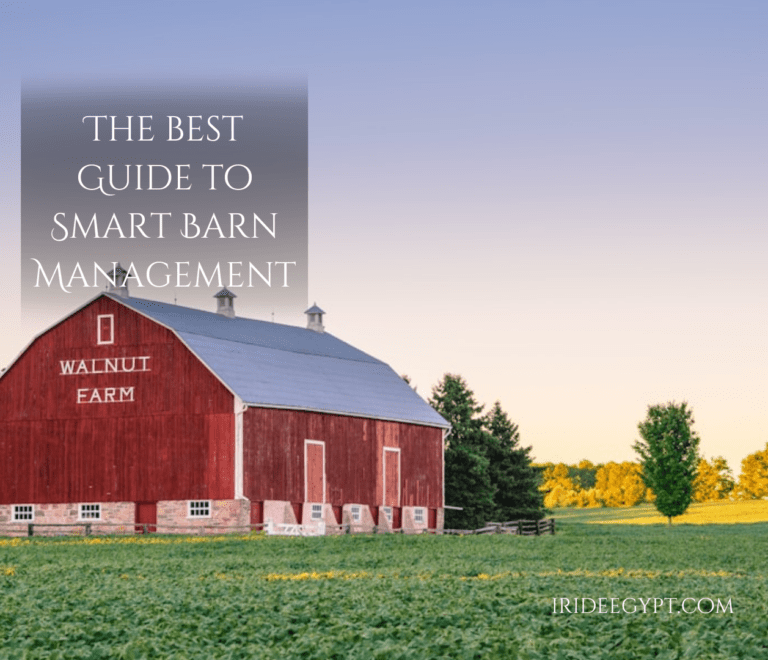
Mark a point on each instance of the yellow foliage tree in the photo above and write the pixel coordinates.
(558, 486)
(753, 481)
(714, 480)
(620, 484)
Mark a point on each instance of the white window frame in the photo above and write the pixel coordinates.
(22, 515)
(306, 455)
(194, 507)
(89, 511)
(387, 510)
(384, 474)
(356, 512)
(316, 511)
(101, 341)
(418, 515)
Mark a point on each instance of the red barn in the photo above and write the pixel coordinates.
(133, 411)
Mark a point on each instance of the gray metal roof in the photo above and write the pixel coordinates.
(275, 365)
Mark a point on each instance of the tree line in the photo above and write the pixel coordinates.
(586, 484)
(489, 475)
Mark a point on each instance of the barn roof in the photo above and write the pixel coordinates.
(275, 365)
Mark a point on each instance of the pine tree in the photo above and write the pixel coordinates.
(487, 473)
(467, 481)
(516, 481)
(669, 455)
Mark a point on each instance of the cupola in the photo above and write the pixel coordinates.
(117, 284)
(225, 303)
(315, 318)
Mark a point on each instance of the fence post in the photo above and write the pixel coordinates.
(552, 521)
(87, 529)
(30, 529)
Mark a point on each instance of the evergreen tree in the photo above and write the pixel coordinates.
(516, 481)
(487, 473)
(669, 455)
(467, 481)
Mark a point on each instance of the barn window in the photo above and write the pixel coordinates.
(418, 515)
(356, 513)
(317, 512)
(199, 509)
(90, 512)
(105, 329)
(23, 512)
(387, 512)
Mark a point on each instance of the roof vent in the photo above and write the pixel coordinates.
(225, 303)
(315, 318)
(117, 283)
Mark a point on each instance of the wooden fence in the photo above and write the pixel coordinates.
(516, 527)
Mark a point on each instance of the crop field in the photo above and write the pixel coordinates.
(707, 513)
(392, 596)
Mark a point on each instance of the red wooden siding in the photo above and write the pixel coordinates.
(354, 450)
(174, 440)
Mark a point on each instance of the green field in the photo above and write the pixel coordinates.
(388, 596)
(706, 513)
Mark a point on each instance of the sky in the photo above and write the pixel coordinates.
(565, 203)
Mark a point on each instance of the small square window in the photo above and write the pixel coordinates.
(387, 512)
(418, 515)
(90, 512)
(317, 512)
(199, 509)
(356, 513)
(23, 513)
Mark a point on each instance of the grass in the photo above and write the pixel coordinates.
(749, 511)
(386, 596)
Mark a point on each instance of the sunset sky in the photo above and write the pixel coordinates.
(563, 202)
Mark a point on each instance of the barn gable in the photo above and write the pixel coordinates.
(95, 410)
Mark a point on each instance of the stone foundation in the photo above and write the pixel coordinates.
(227, 516)
(328, 518)
(365, 524)
(279, 512)
(63, 520)
(410, 526)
